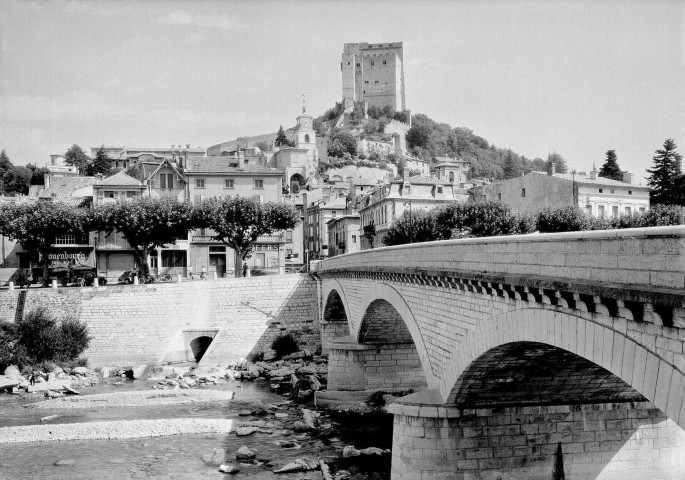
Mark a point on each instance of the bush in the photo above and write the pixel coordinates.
(486, 219)
(46, 339)
(564, 219)
(254, 357)
(285, 345)
(419, 228)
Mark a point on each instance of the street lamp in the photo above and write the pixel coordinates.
(411, 223)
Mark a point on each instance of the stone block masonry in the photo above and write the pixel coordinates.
(601, 441)
(140, 324)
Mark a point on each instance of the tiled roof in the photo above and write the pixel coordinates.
(121, 179)
(598, 181)
(198, 165)
(448, 160)
(62, 186)
(422, 180)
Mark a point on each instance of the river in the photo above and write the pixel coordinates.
(172, 457)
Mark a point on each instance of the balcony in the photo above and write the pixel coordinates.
(210, 239)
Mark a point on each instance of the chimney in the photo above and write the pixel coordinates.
(405, 173)
(553, 168)
(628, 177)
(46, 180)
(593, 172)
(241, 158)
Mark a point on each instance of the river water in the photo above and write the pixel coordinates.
(171, 457)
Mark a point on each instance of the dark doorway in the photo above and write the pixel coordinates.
(199, 346)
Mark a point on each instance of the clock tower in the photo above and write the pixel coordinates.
(305, 134)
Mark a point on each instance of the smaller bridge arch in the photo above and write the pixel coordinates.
(335, 320)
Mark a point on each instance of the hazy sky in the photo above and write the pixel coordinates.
(575, 77)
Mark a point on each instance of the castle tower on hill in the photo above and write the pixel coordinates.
(373, 72)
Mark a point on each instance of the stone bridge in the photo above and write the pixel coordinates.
(532, 356)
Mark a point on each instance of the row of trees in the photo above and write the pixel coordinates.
(487, 219)
(147, 223)
(88, 166)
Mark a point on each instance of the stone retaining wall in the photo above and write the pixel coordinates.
(141, 324)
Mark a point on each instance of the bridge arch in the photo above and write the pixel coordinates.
(384, 314)
(577, 344)
(336, 318)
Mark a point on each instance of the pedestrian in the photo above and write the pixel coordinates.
(245, 269)
(32, 378)
(203, 271)
(190, 273)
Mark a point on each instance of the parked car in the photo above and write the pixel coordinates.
(127, 276)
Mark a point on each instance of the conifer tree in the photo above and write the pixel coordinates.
(101, 163)
(512, 167)
(663, 174)
(610, 169)
(281, 139)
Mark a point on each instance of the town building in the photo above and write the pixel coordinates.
(453, 170)
(210, 177)
(125, 157)
(417, 166)
(320, 206)
(344, 234)
(373, 73)
(59, 166)
(114, 255)
(167, 180)
(294, 239)
(598, 196)
(381, 207)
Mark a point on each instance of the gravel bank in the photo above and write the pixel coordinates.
(141, 398)
(117, 430)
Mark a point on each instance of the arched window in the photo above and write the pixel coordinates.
(451, 177)
(306, 138)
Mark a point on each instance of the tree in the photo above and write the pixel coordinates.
(238, 222)
(17, 180)
(346, 141)
(35, 225)
(610, 169)
(560, 164)
(37, 174)
(679, 190)
(512, 167)
(77, 157)
(136, 171)
(147, 223)
(415, 227)
(281, 139)
(418, 136)
(101, 163)
(663, 174)
(538, 165)
(5, 163)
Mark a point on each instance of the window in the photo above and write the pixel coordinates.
(614, 211)
(407, 190)
(357, 64)
(439, 189)
(376, 81)
(630, 192)
(642, 209)
(68, 239)
(259, 184)
(109, 194)
(306, 139)
(288, 235)
(228, 183)
(199, 198)
(499, 197)
(259, 198)
(588, 208)
(372, 63)
(628, 212)
(385, 62)
(523, 192)
(366, 81)
(451, 177)
(335, 213)
(288, 253)
(600, 210)
(131, 194)
(199, 183)
(612, 190)
(354, 239)
(601, 190)
(166, 180)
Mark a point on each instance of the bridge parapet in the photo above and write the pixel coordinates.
(636, 274)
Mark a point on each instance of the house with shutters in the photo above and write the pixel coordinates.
(209, 177)
(167, 180)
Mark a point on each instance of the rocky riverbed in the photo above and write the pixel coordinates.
(275, 430)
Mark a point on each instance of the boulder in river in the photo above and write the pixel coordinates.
(216, 457)
(244, 453)
(301, 464)
(244, 431)
(228, 469)
(12, 371)
(79, 371)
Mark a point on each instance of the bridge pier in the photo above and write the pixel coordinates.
(393, 366)
(610, 441)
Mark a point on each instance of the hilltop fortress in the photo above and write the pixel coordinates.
(373, 72)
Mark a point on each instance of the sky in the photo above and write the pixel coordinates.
(574, 77)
